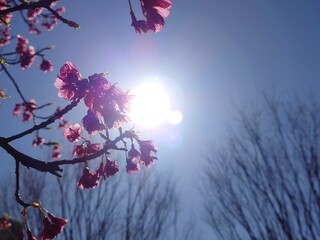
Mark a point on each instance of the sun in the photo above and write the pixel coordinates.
(151, 104)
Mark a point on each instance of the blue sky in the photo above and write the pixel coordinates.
(211, 56)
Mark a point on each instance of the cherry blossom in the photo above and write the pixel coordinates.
(38, 141)
(91, 123)
(155, 11)
(52, 226)
(146, 147)
(111, 168)
(46, 66)
(73, 132)
(5, 36)
(88, 180)
(56, 152)
(69, 82)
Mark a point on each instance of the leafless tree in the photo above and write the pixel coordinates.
(263, 181)
(143, 206)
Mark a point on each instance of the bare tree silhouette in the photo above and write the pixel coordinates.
(263, 182)
(144, 206)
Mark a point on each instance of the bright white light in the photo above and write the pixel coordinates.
(175, 117)
(151, 105)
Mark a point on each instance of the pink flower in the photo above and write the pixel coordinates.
(97, 87)
(132, 167)
(5, 36)
(68, 82)
(73, 132)
(38, 142)
(27, 58)
(155, 11)
(111, 168)
(46, 66)
(81, 150)
(146, 147)
(91, 123)
(52, 227)
(50, 21)
(33, 13)
(16, 110)
(26, 53)
(133, 154)
(28, 109)
(88, 180)
(56, 152)
(3, 6)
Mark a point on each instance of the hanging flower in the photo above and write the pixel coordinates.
(69, 82)
(155, 11)
(91, 123)
(73, 132)
(88, 180)
(46, 66)
(38, 142)
(52, 226)
(111, 168)
(146, 147)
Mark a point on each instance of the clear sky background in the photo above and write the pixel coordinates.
(210, 56)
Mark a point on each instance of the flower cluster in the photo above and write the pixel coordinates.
(107, 108)
(107, 104)
(28, 110)
(26, 53)
(5, 36)
(52, 225)
(155, 12)
(46, 66)
(91, 180)
(48, 20)
(5, 19)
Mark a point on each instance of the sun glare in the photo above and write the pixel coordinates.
(151, 105)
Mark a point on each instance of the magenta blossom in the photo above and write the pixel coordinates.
(28, 109)
(132, 167)
(88, 180)
(146, 147)
(16, 111)
(52, 226)
(155, 11)
(46, 66)
(111, 168)
(69, 82)
(3, 6)
(73, 132)
(56, 152)
(38, 142)
(5, 36)
(81, 150)
(91, 123)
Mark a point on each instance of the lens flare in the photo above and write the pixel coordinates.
(151, 105)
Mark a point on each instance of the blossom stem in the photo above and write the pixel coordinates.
(14, 83)
(131, 10)
(17, 194)
(45, 123)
